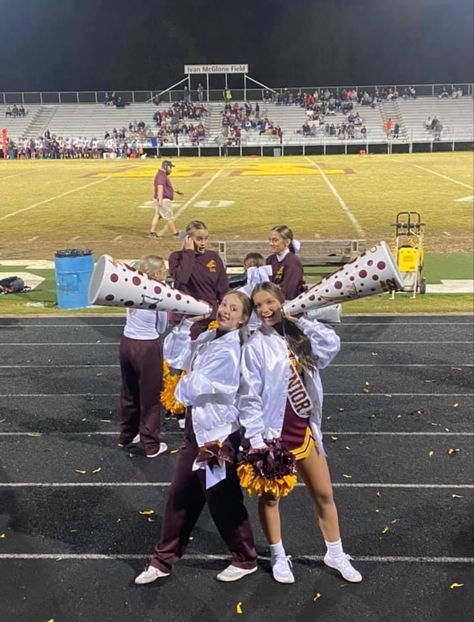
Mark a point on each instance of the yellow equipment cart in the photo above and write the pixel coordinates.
(409, 251)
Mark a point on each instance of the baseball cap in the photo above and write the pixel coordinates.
(167, 164)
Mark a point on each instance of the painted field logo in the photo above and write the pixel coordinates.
(214, 203)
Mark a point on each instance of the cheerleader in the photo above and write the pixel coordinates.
(198, 271)
(287, 269)
(280, 402)
(141, 366)
(205, 469)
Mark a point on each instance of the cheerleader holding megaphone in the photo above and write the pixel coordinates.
(280, 402)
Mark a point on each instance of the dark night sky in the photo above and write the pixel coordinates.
(143, 44)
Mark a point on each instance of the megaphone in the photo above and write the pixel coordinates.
(372, 272)
(116, 284)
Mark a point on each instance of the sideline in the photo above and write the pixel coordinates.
(455, 181)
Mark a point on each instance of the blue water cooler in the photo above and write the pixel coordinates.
(73, 267)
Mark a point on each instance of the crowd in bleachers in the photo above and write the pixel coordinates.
(238, 120)
(352, 128)
(16, 111)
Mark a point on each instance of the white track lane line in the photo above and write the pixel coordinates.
(58, 196)
(404, 365)
(93, 395)
(196, 557)
(116, 343)
(455, 181)
(340, 200)
(180, 433)
(168, 484)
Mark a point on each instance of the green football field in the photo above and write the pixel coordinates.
(106, 205)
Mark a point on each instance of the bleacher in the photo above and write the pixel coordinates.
(93, 120)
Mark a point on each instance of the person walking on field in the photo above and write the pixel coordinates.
(163, 195)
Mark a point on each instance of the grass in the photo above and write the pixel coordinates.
(102, 205)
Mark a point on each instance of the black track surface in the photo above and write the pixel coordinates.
(398, 399)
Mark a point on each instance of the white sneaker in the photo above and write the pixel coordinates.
(181, 423)
(135, 440)
(344, 566)
(161, 450)
(233, 573)
(149, 575)
(282, 569)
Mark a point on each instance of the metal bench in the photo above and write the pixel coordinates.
(312, 252)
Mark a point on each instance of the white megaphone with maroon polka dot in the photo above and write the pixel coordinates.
(372, 272)
(116, 284)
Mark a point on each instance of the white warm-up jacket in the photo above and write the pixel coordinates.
(212, 378)
(265, 369)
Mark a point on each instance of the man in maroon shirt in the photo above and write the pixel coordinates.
(163, 195)
(198, 271)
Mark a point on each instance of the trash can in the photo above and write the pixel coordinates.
(73, 267)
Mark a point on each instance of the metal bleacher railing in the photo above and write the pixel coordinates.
(213, 95)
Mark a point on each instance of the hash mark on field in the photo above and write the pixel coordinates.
(119, 237)
(76, 237)
(447, 233)
(340, 200)
(35, 237)
(58, 196)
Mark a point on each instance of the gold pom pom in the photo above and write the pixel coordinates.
(170, 380)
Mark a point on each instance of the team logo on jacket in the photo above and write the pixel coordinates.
(211, 265)
(279, 275)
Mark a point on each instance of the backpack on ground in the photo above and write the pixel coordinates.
(13, 285)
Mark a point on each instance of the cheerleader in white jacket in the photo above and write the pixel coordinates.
(281, 397)
(205, 468)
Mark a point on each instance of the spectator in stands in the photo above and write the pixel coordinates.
(8, 112)
(388, 126)
(163, 195)
(444, 94)
(200, 92)
(396, 130)
(198, 271)
(287, 269)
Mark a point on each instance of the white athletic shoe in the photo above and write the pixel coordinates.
(161, 450)
(233, 573)
(344, 566)
(149, 575)
(135, 440)
(282, 569)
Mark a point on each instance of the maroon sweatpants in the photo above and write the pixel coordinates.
(186, 499)
(141, 364)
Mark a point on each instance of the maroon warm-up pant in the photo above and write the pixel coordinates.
(186, 500)
(141, 364)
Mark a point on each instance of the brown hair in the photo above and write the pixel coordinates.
(287, 234)
(253, 260)
(244, 299)
(299, 343)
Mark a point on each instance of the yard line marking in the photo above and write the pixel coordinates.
(58, 196)
(199, 192)
(35, 237)
(119, 237)
(180, 433)
(76, 237)
(168, 484)
(340, 200)
(428, 170)
(207, 557)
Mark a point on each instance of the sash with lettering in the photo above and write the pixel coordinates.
(297, 394)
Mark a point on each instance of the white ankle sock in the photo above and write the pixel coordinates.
(335, 548)
(277, 550)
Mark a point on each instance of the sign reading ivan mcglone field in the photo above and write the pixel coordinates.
(242, 68)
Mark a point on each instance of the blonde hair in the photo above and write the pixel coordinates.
(151, 264)
(195, 225)
(286, 234)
